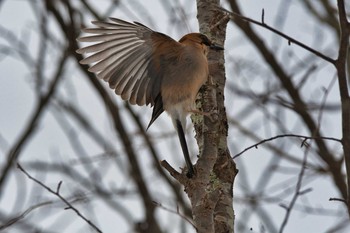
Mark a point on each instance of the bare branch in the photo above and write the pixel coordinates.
(175, 212)
(299, 104)
(297, 193)
(283, 136)
(290, 40)
(23, 215)
(31, 127)
(343, 81)
(56, 193)
(172, 171)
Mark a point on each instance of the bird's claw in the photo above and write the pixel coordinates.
(189, 174)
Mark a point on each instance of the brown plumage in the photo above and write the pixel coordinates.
(147, 67)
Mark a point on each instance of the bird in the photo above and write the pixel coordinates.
(146, 67)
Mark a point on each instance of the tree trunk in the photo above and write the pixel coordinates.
(211, 190)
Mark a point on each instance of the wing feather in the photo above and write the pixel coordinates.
(127, 56)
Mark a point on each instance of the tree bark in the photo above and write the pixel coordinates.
(221, 178)
(211, 190)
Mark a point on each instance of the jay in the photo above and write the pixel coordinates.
(146, 67)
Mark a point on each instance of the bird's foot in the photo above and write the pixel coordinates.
(189, 174)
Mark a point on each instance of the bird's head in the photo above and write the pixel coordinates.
(199, 39)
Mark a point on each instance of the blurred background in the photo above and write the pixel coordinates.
(62, 124)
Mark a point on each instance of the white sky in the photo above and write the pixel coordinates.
(17, 103)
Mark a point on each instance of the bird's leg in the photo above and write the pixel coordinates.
(181, 134)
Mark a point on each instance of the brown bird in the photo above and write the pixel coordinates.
(147, 67)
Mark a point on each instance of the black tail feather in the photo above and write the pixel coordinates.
(184, 147)
(157, 110)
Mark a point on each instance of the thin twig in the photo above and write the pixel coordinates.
(175, 212)
(31, 128)
(22, 215)
(297, 193)
(289, 39)
(283, 136)
(300, 106)
(56, 193)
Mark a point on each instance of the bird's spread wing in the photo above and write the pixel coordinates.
(127, 56)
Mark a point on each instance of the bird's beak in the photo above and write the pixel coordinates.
(216, 47)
